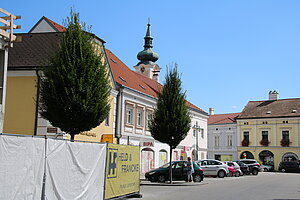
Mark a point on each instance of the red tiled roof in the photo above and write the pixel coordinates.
(126, 77)
(59, 27)
(271, 108)
(223, 118)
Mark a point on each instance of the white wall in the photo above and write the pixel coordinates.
(222, 130)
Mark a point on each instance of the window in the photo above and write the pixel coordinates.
(149, 118)
(264, 135)
(285, 135)
(246, 135)
(217, 141)
(140, 118)
(245, 141)
(229, 140)
(202, 133)
(107, 120)
(129, 115)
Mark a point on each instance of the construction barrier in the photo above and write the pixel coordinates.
(45, 168)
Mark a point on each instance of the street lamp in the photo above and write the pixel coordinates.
(196, 129)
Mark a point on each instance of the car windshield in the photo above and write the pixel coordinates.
(165, 165)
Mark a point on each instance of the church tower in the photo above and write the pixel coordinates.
(148, 57)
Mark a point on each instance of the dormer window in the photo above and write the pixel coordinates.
(269, 112)
(294, 111)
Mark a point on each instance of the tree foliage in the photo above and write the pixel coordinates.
(171, 121)
(75, 89)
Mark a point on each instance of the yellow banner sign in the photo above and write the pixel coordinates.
(107, 138)
(122, 170)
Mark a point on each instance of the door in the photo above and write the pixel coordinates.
(177, 170)
(162, 157)
(205, 167)
(213, 167)
(147, 161)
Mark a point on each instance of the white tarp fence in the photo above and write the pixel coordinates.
(75, 170)
(21, 167)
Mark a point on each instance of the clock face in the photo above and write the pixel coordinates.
(142, 69)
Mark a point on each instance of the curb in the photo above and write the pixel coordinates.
(148, 183)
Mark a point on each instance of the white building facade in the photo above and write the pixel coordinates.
(222, 136)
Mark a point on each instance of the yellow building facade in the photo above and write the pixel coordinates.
(25, 62)
(269, 131)
(21, 93)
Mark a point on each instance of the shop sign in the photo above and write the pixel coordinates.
(107, 138)
(186, 148)
(51, 130)
(122, 170)
(147, 143)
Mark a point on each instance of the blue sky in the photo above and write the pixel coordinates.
(228, 52)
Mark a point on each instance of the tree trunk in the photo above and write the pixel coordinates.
(72, 137)
(170, 169)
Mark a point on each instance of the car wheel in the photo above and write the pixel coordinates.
(283, 170)
(221, 174)
(229, 174)
(161, 178)
(237, 174)
(197, 178)
(255, 171)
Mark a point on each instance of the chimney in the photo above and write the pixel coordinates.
(273, 95)
(211, 111)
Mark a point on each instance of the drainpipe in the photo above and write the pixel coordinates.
(37, 101)
(119, 114)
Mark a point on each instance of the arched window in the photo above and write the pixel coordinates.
(246, 154)
(290, 156)
(163, 157)
(267, 157)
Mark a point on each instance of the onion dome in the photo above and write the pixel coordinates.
(147, 56)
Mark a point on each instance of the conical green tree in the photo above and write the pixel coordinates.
(171, 121)
(75, 89)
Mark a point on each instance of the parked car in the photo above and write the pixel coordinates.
(289, 166)
(244, 167)
(179, 172)
(232, 171)
(238, 172)
(213, 168)
(254, 166)
(267, 168)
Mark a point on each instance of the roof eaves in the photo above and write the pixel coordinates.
(138, 91)
(199, 111)
(267, 117)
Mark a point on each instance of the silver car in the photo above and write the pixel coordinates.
(213, 168)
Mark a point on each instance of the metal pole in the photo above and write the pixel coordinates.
(44, 177)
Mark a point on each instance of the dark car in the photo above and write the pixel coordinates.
(179, 172)
(244, 167)
(289, 166)
(254, 166)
